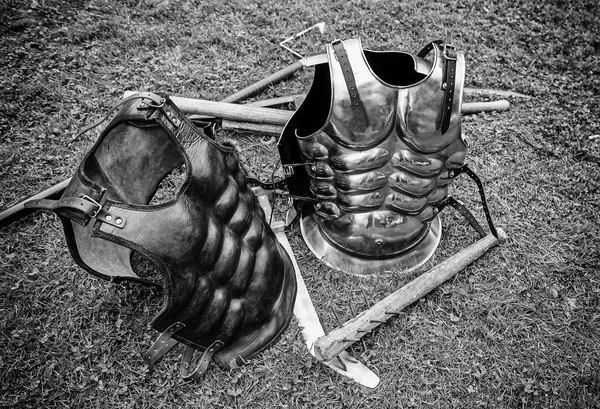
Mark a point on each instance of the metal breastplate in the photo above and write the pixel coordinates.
(378, 136)
(229, 285)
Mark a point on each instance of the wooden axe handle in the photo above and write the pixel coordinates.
(331, 345)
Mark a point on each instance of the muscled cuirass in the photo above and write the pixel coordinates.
(229, 285)
(376, 140)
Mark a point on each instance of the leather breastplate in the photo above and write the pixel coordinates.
(229, 285)
(375, 143)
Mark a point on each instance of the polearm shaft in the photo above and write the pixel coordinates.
(254, 114)
(329, 346)
(264, 83)
(19, 211)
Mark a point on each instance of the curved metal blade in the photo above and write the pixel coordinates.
(311, 329)
(308, 320)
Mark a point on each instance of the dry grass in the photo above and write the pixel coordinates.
(518, 328)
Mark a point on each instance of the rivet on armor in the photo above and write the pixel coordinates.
(119, 220)
(379, 242)
(108, 218)
(318, 206)
(444, 85)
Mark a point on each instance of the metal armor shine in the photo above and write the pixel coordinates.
(374, 144)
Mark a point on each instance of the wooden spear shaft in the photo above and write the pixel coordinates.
(254, 114)
(331, 345)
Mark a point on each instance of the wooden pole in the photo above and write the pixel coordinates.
(476, 107)
(19, 211)
(329, 346)
(265, 82)
(226, 110)
(246, 113)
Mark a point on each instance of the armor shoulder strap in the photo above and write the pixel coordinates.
(449, 82)
(356, 103)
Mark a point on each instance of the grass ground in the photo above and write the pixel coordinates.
(520, 328)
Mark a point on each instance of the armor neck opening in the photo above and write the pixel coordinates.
(314, 111)
(131, 161)
(397, 69)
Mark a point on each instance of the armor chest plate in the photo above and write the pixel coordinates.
(228, 283)
(379, 162)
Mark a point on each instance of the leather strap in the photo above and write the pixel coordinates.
(449, 80)
(276, 184)
(163, 344)
(156, 100)
(173, 120)
(357, 105)
(202, 365)
(85, 205)
(448, 85)
(465, 169)
(462, 209)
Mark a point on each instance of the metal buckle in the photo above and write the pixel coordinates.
(454, 56)
(89, 199)
(288, 170)
(160, 105)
